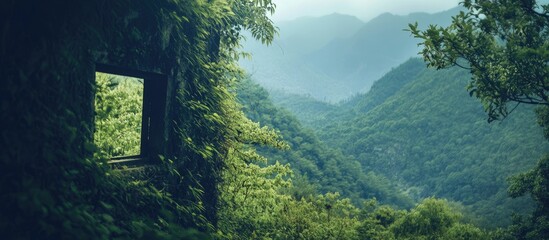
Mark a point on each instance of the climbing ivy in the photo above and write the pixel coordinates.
(52, 185)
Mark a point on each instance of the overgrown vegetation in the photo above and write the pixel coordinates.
(52, 185)
(212, 181)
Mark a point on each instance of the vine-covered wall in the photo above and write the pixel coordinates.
(53, 186)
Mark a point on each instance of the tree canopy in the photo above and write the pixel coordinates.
(505, 45)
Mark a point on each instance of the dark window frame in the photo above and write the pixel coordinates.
(155, 89)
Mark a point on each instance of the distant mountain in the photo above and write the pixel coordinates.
(378, 46)
(333, 57)
(308, 34)
(280, 65)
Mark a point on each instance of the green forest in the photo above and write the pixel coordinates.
(139, 120)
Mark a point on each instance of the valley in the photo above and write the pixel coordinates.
(415, 132)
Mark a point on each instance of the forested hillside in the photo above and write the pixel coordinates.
(419, 127)
(318, 168)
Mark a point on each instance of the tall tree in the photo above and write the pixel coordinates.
(505, 45)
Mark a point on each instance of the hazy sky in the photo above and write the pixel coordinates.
(363, 9)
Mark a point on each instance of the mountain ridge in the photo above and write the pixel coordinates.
(335, 56)
(381, 43)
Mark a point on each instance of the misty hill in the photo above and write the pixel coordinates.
(280, 66)
(308, 34)
(378, 46)
(314, 114)
(331, 58)
(420, 127)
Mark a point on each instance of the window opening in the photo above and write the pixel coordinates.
(130, 114)
(118, 115)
